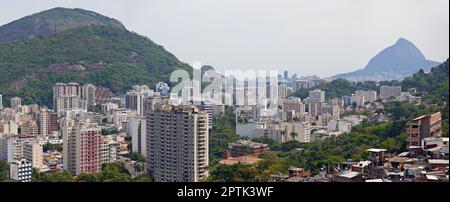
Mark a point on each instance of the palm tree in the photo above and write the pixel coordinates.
(293, 135)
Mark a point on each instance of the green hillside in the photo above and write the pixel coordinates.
(431, 86)
(103, 55)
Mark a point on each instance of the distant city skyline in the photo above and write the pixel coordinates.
(306, 37)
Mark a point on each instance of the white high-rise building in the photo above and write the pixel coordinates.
(177, 143)
(67, 97)
(315, 108)
(359, 100)
(134, 99)
(88, 94)
(282, 90)
(369, 96)
(1, 101)
(43, 123)
(8, 127)
(11, 146)
(297, 131)
(108, 151)
(137, 129)
(386, 92)
(20, 170)
(33, 153)
(316, 96)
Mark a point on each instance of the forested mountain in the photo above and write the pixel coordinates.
(105, 55)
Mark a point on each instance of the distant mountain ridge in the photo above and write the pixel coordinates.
(52, 22)
(393, 63)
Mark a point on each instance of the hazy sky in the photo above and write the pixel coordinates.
(321, 37)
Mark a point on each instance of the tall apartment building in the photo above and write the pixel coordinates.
(20, 170)
(108, 151)
(52, 122)
(134, 99)
(316, 96)
(299, 84)
(358, 100)
(386, 92)
(137, 129)
(134, 102)
(43, 122)
(1, 101)
(294, 104)
(33, 153)
(369, 96)
(151, 102)
(296, 131)
(29, 128)
(12, 146)
(208, 108)
(8, 127)
(81, 147)
(282, 90)
(88, 94)
(429, 125)
(347, 100)
(177, 143)
(67, 97)
(315, 108)
(333, 109)
(15, 102)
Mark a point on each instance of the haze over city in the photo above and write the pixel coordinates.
(307, 37)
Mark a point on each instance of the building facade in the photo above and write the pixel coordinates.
(177, 143)
(386, 92)
(81, 148)
(423, 127)
(137, 129)
(20, 170)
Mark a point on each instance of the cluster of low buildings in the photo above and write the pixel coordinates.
(425, 160)
(243, 151)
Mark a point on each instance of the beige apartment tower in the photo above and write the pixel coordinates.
(177, 143)
(81, 147)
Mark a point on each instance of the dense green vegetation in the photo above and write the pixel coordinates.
(52, 177)
(136, 156)
(432, 86)
(113, 58)
(4, 171)
(338, 88)
(56, 147)
(223, 132)
(111, 172)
